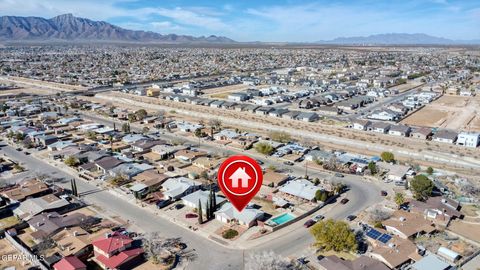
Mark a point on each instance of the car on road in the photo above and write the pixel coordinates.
(339, 175)
(289, 163)
(383, 193)
(26, 153)
(309, 223)
(320, 257)
(259, 161)
(344, 201)
(351, 217)
(317, 218)
(302, 260)
(19, 149)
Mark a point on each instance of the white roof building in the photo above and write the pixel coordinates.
(301, 188)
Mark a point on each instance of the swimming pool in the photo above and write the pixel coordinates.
(282, 218)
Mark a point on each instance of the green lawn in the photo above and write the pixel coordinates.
(8, 222)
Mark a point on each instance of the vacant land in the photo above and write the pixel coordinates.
(450, 112)
(219, 92)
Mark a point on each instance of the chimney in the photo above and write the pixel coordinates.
(75, 233)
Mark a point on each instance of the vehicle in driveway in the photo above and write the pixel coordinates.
(317, 218)
(309, 223)
(344, 201)
(351, 217)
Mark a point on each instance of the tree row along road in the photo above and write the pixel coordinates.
(361, 142)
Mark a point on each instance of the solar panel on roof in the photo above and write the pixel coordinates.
(374, 234)
(384, 238)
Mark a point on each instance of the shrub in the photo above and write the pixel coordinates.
(229, 234)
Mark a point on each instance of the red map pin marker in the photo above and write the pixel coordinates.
(240, 178)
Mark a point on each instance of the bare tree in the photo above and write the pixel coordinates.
(268, 260)
(379, 215)
(159, 249)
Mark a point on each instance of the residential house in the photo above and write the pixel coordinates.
(445, 136)
(307, 116)
(301, 189)
(361, 124)
(440, 210)
(400, 130)
(46, 224)
(191, 200)
(423, 133)
(116, 251)
(239, 96)
(34, 206)
(333, 262)
(381, 127)
(176, 188)
(70, 263)
(408, 225)
(274, 179)
(105, 164)
(73, 241)
(188, 155)
(395, 172)
(26, 189)
(431, 262)
(395, 253)
(247, 217)
(166, 151)
(468, 139)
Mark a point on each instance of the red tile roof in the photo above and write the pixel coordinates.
(112, 243)
(69, 263)
(116, 261)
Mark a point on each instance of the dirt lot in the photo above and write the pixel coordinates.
(451, 112)
(219, 92)
(6, 250)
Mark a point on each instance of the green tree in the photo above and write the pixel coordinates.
(422, 187)
(71, 161)
(126, 128)
(372, 167)
(321, 195)
(198, 132)
(91, 135)
(280, 136)
(430, 170)
(387, 157)
(200, 212)
(264, 148)
(141, 114)
(399, 199)
(334, 235)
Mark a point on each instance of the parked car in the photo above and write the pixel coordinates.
(320, 257)
(191, 215)
(26, 153)
(344, 201)
(309, 223)
(19, 149)
(351, 217)
(259, 161)
(317, 218)
(383, 193)
(339, 175)
(289, 163)
(302, 260)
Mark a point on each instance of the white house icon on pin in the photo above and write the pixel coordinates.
(238, 175)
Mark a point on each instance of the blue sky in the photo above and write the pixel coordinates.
(268, 20)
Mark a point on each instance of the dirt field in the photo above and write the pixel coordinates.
(451, 112)
(225, 90)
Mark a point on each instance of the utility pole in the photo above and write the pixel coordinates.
(306, 168)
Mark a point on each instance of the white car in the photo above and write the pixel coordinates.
(317, 218)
